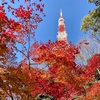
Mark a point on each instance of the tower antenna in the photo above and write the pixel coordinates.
(60, 12)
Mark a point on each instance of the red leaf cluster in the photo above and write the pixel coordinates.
(93, 65)
(21, 12)
(42, 86)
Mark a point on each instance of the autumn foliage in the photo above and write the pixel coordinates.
(46, 70)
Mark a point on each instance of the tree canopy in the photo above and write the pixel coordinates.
(47, 71)
(92, 22)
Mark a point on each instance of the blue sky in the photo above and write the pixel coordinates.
(73, 12)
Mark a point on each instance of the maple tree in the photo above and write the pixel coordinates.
(60, 77)
(73, 81)
(15, 31)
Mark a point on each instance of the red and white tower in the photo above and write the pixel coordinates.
(62, 35)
